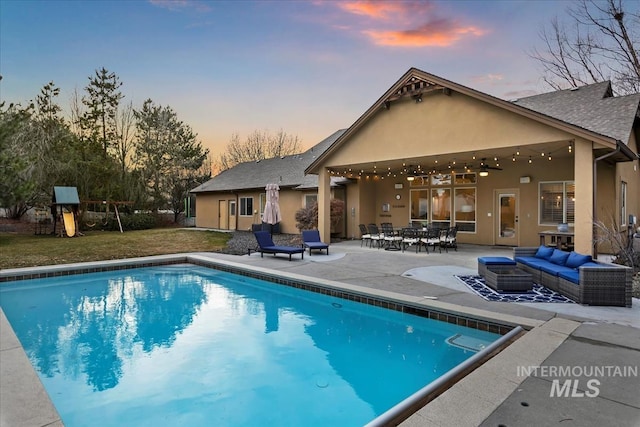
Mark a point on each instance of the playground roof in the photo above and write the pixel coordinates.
(65, 196)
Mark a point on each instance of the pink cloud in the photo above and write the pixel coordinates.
(487, 78)
(427, 35)
(379, 9)
(422, 26)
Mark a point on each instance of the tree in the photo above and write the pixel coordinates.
(15, 183)
(102, 100)
(601, 43)
(168, 157)
(258, 145)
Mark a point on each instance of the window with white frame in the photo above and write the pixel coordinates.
(623, 203)
(246, 206)
(310, 200)
(556, 202)
(465, 209)
(419, 205)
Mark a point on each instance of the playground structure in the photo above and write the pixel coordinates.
(64, 208)
(95, 215)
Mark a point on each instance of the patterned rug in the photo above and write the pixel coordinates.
(537, 294)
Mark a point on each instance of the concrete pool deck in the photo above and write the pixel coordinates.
(500, 392)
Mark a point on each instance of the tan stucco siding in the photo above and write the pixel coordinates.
(629, 172)
(208, 215)
(440, 125)
(207, 211)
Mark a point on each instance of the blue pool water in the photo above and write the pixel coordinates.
(191, 346)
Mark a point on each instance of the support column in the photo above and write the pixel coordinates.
(585, 193)
(324, 205)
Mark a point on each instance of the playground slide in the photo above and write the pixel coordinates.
(69, 223)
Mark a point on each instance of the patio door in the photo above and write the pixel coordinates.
(506, 217)
(232, 215)
(223, 215)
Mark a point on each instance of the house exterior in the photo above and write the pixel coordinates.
(235, 199)
(432, 151)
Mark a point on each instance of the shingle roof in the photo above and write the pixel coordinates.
(591, 107)
(285, 171)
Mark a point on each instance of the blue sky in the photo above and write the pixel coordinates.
(308, 68)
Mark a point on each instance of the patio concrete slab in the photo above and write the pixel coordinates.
(531, 405)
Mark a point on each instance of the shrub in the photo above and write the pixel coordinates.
(307, 217)
(139, 221)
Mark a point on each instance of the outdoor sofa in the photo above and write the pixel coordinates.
(577, 276)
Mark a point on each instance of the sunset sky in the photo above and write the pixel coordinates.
(308, 68)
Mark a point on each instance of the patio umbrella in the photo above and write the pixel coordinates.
(271, 213)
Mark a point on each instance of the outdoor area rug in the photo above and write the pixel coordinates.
(537, 294)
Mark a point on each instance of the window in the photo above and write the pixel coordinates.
(441, 206)
(232, 208)
(441, 179)
(419, 205)
(557, 202)
(310, 200)
(465, 178)
(623, 203)
(246, 206)
(465, 209)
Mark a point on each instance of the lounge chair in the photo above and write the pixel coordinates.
(266, 246)
(311, 240)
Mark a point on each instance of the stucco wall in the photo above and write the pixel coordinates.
(440, 124)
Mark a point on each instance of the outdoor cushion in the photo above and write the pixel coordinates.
(571, 275)
(559, 257)
(544, 252)
(575, 259)
(531, 261)
(553, 269)
(596, 264)
(496, 260)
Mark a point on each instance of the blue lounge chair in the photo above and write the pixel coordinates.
(266, 246)
(311, 240)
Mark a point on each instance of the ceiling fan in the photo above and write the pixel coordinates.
(484, 167)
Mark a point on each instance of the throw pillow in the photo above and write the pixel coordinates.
(544, 252)
(575, 259)
(559, 257)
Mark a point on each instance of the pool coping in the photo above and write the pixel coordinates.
(39, 410)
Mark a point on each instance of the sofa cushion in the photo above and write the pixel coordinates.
(554, 269)
(559, 257)
(531, 261)
(572, 276)
(575, 259)
(496, 260)
(544, 252)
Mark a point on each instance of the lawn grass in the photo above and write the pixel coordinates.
(28, 250)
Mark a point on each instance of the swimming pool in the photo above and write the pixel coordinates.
(128, 348)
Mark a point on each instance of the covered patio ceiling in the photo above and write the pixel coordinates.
(542, 154)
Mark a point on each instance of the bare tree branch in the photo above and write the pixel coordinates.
(600, 44)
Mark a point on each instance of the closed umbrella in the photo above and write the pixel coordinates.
(271, 213)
